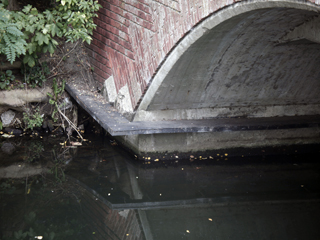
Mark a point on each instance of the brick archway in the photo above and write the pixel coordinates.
(202, 79)
(137, 42)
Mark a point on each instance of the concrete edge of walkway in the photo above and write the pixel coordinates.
(117, 125)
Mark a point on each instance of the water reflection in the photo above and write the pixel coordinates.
(97, 191)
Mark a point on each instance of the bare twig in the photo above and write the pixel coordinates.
(59, 74)
(64, 56)
(70, 123)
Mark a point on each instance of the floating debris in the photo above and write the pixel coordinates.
(7, 135)
(76, 143)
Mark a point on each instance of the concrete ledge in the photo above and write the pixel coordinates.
(117, 125)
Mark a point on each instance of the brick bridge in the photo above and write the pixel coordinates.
(191, 63)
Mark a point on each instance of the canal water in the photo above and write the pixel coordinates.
(52, 190)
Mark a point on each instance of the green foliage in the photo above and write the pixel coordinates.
(33, 151)
(12, 41)
(57, 91)
(33, 120)
(57, 169)
(72, 19)
(35, 76)
(6, 79)
(7, 187)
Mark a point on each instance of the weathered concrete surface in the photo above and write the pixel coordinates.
(7, 65)
(16, 99)
(21, 170)
(182, 144)
(309, 30)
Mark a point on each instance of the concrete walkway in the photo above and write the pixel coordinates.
(118, 125)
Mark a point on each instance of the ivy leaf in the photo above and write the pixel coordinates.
(34, 11)
(32, 19)
(27, 8)
(46, 29)
(54, 42)
(32, 47)
(46, 39)
(30, 60)
(30, 28)
(40, 38)
(49, 15)
(54, 30)
(49, 47)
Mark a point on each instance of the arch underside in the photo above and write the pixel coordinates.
(241, 68)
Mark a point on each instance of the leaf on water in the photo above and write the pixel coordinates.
(76, 143)
(7, 135)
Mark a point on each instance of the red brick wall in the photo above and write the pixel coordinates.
(103, 222)
(134, 36)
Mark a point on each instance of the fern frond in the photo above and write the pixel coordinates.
(4, 15)
(20, 47)
(10, 53)
(13, 54)
(6, 39)
(14, 31)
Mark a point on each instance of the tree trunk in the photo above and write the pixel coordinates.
(13, 5)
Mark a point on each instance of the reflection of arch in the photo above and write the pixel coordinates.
(154, 105)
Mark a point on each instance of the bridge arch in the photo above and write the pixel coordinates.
(249, 59)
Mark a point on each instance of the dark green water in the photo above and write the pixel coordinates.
(98, 191)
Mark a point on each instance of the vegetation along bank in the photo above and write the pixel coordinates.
(42, 47)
